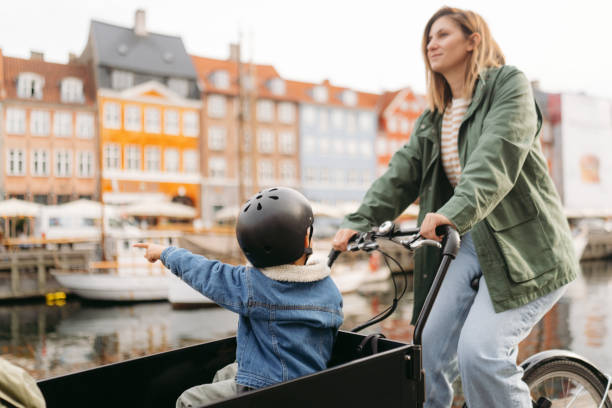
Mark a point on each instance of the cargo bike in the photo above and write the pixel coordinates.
(364, 371)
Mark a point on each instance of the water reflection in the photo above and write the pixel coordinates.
(52, 340)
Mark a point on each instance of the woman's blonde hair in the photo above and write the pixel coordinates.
(486, 54)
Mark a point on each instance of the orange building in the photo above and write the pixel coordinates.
(48, 134)
(149, 140)
(397, 113)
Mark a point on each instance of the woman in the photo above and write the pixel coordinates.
(475, 163)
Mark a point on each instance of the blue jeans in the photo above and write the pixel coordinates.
(464, 336)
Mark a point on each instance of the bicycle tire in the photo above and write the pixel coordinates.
(563, 381)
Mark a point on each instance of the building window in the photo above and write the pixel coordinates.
(40, 123)
(366, 121)
(287, 142)
(220, 79)
(41, 199)
(171, 122)
(324, 145)
(319, 94)
(132, 118)
(216, 137)
(190, 161)
(40, 162)
(310, 115)
(85, 125)
(277, 86)
(71, 90)
(216, 167)
(122, 79)
(351, 122)
(265, 141)
(85, 164)
(30, 85)
(309, 144)
(337, 118)
(265, 171)
(265, 111)
(366, 149)
(216, 106)
(112, 115)
(324, 121)
(171, 160)
(132, 157)
(351, 148)
(405, 126)
(179, 85)
(338, 146)
(15, 162)
(63, 163)
(152, 158)
(392, 124)
(287, 172)
(112, 156)
(286, 112)
(62, 124)
(381, 146)
(311, 175)
(15, 121)
(152, 120)
(191, 125)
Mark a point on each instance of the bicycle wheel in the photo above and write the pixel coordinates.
(566, 383)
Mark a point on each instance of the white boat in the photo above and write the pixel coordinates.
(112, 287)
(183, 296)
(129, 277)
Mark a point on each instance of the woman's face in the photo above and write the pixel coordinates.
(447, 46)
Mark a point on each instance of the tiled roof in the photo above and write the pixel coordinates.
(205, 67)
(386, 98)
(294, 90)
(52, 72)
(302, 91)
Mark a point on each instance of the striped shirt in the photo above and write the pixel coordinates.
(450, 130)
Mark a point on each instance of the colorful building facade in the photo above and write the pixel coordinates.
(48, 135)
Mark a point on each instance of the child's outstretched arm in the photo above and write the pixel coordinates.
(154, 251)
(222, 283)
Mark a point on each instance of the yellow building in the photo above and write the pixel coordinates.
(149, 140)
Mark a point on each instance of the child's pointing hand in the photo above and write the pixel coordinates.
(153, 252)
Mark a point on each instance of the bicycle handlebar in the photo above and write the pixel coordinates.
(366, 241)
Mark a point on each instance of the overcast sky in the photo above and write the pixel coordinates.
(366, 45)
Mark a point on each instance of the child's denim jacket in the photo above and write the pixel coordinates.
(289, 314)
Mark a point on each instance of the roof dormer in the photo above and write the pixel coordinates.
(220, 79)
(71, 90)
(349, 97)
(277, 86)
(319, 93)
(30, 85)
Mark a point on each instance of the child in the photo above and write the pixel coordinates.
(289, 311)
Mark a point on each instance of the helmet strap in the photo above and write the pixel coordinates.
(308, 251)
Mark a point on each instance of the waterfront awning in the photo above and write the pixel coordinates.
(14, 207)
(159, 209)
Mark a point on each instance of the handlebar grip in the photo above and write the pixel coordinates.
(333, 254)
(452, 241)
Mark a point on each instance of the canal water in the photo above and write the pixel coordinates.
(53, 339)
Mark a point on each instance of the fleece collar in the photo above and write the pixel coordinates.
(311, 272)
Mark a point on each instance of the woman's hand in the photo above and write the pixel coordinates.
(153, 252)
(430, 222)
(342, 238)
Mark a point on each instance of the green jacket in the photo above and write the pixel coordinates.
(505, 196)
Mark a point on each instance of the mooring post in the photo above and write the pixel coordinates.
(14, 274)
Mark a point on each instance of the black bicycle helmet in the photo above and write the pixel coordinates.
(272, 225)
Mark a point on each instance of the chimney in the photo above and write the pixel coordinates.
(37, 56)
(140, 22)
(234, 54)
(72, 58)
